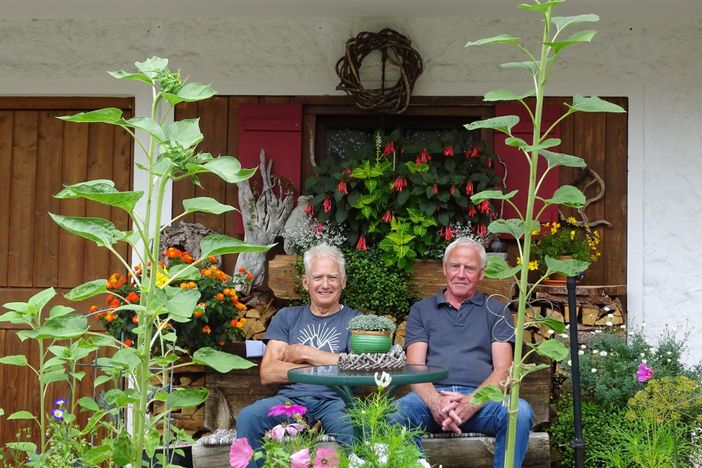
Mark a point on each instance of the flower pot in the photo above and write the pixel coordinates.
(369, 341)
(557, 279)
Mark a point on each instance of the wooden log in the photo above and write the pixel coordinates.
(477, 452)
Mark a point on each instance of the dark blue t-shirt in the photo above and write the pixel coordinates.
(460, 340)
(298, 325)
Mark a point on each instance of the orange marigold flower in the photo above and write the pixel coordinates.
(249, 276)
(234, 323)
(114, 304)
(212, 259)
(205, 272)
(242, 322)
(109, 317)
(187, 258)
(221, 342)
(242, 270)
(240, 306)
(94, 308)
(100, 315)
(197, 313)
(202, 305)
(220, 296)
(135, 319)
(206, 329)
(128, 342)
(235, 298)
(132, 297)
(227, 291)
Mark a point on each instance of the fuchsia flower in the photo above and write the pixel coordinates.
(489, 162)
(361, 244)
(320, 228)
(644, 373)
(389, 148)
(484, 206)
(423, 157)
(327, 205)
(326, 457)
(287, 409)
(240, 453)
(448, 151)
(342, 187)
(399, 184)
(387, 217)
(300, 459)
(482, 230)
(452, 190)
(309, 210)
(469, 188)
(472, 153)
(436, 188)
(471, 210)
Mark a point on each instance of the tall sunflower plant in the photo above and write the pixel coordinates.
(171, 155)
(556, 38)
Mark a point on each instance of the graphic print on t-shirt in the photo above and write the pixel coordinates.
(320, 337)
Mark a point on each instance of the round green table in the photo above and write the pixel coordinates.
(342, 381)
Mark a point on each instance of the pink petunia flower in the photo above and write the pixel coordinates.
(288, 409)
(644, 373)
(300, 459)
(326, 457)
(240, 453)
(283, 429)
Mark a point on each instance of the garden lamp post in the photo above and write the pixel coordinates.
(578, 442)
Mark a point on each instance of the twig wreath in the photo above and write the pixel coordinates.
(398, 50)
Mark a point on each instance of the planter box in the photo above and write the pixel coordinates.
(428, 279)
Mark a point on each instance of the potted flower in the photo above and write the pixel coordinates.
(370, 334)
(563, 240)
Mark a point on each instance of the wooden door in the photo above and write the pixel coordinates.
(40, 154)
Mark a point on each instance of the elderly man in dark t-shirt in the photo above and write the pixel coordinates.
(305, 335)
(472, 336)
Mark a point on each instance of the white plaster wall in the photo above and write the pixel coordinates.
(652, 61)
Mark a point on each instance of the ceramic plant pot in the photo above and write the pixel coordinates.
(369, 341)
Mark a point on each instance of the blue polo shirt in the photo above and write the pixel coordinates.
(460, 340)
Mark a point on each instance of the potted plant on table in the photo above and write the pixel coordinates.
(563, 240)
(370, 334)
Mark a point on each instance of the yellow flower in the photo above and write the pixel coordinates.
(535, 232)
(519, 260)
(554, 228)
(161, 278)
(533, 265)
(572, 235)
(572, 220)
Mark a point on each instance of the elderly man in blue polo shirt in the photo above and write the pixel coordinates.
(472, 335)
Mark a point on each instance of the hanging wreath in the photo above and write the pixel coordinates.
(395, 48)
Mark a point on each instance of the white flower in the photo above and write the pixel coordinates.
(610, 315)
(644, 361)
(570, 363)
(668, 360)
(668, 353)
(603, 353)
(593, 370)
(382, 380)
(583, 346)
(642, 354)
(355, 461)
(563, 335)
(581, 352)
(622, 326)
(595, 351)
(609, 323)
(598, 331)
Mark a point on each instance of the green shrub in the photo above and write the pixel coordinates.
(596, 420)
(615, 361)
(668, 399)
(371, 286)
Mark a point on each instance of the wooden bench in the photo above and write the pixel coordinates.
(242, 387)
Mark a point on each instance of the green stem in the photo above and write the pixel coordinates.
(42, 397)
(516, 371)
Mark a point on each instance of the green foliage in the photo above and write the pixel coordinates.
(404, 197)
(596, 418)
(616, 359)
(567, 239)
(668, 399)
(381, 443)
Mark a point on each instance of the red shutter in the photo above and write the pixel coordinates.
(277, 128)
(517, 165)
